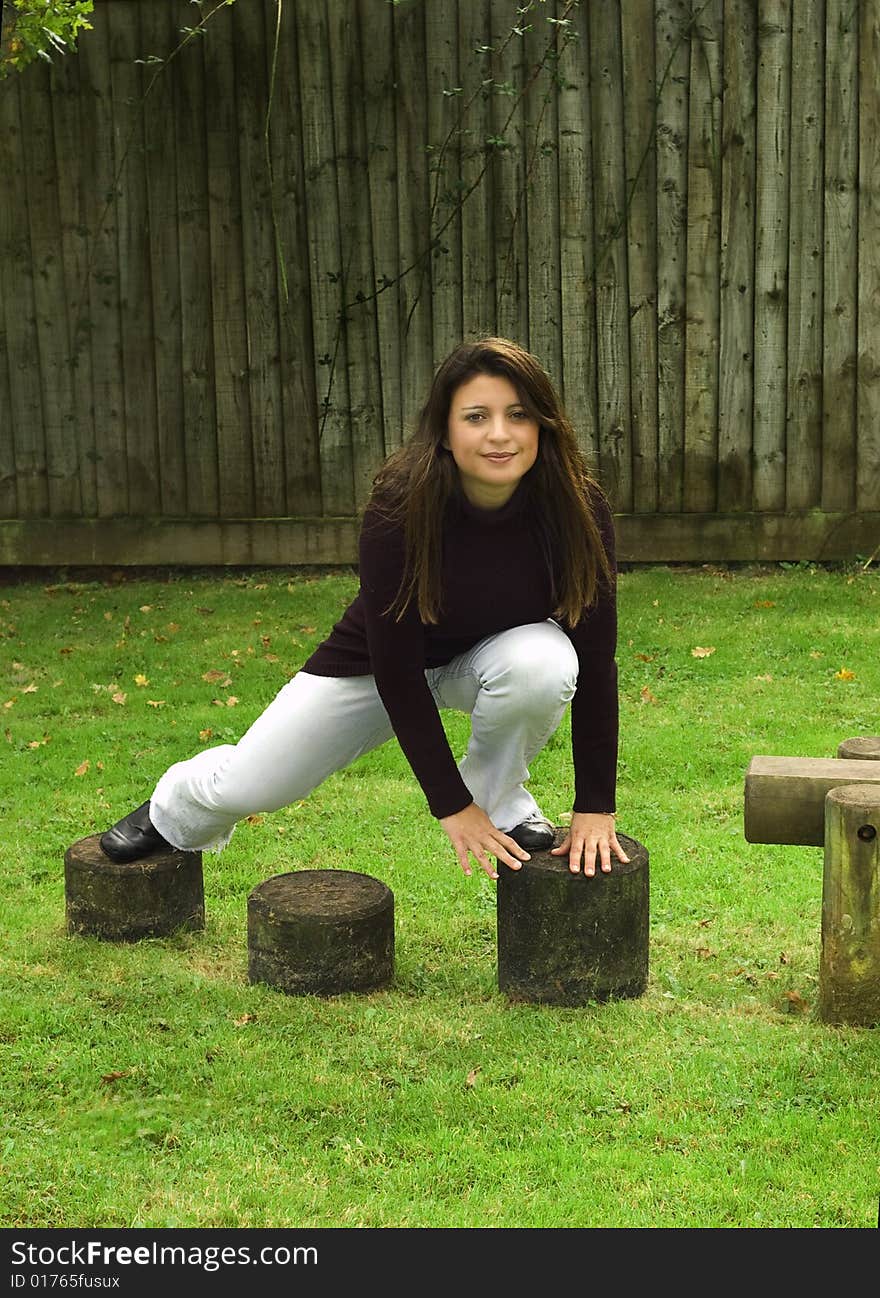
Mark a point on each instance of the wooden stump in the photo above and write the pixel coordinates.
(321, 932)
(861, 748)
(565, 938)
(849, 970)
(124, 903)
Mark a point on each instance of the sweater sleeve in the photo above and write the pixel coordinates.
(594, 708)
(397, 659)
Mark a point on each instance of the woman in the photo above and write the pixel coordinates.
(487, 584)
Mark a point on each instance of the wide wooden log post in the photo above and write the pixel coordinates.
(849, 971)
(865, 748)
(566, 939)
(124, 903)
(785, 796)
(321, 932)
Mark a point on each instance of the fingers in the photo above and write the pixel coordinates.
(585, 851)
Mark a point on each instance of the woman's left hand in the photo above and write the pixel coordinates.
(590, 834)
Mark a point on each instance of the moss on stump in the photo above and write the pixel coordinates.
(321, 932)
(124, 903)
(565, 939)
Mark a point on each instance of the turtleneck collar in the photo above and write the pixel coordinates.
(493, 517)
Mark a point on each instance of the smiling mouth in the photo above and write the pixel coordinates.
(501, 455)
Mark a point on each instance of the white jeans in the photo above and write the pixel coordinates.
(515, 685)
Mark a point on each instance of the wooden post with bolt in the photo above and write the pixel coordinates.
(833, 803)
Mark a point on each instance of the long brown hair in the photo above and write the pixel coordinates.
(415, 483)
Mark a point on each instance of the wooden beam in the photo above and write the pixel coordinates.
(286, 542)
(785, 796)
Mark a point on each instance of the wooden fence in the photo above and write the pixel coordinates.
(231, 257)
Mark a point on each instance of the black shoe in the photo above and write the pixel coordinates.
(534, 835)
(133, 837)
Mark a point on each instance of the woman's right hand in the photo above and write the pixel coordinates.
(472, 833)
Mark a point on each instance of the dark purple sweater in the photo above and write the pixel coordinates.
(495, 576)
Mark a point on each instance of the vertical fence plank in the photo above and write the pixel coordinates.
(772, 152)
(868, 446)
(413, 209)
(506, 146)
(840, 290)
(364, 390)
(612, 302)
(803, 443)
(704, 199)
(66, 96)
(228, 311)
(135, 290)
(198, 374)
(735, 395)
(477, 223)
(672, 54)
(202, 470)
(640, 110)
(252, 50)
(19, 310)
(377, 72)
(8, 477)
(441, 79)
(541, 196)
(299, 402)
(51, 360)
(325, 258)
(158, 38)
(8, 495)
(577, 269)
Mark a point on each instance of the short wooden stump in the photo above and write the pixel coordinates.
(321, 932)
(124, 903)
(565, 939)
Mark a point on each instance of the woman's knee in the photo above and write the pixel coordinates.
(538, 661)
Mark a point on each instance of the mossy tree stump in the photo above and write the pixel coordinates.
(565, 939)
(124, 903)
(321, 932)
(849, 969)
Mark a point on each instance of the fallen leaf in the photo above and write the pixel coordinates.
(30, 689)
(245, 1018)
(254, 820)
(173, 626)
(646, 695)
(844, 675)
(766, 677)
(472, 1076)
(308, 630)
(705, 953)
(270, 658)
(205, 734)
(113, 1077)
(702, 651)
(764, 603)
(146, 608)
(232, 701)
(794, 1003)
(816, 653)
(141, 679)
(83, 767)
(10, 703)
(645, 658)
(214, 675)
(784, 957)
(119, 697)
(108, 617)
(155, 703)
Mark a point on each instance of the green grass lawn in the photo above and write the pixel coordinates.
(150, 1084)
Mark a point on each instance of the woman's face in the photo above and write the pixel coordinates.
(493, 440)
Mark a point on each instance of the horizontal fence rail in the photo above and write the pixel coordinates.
(236, 239)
